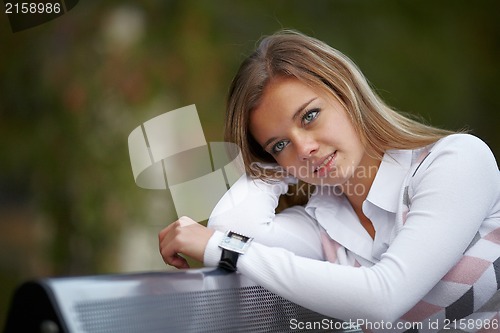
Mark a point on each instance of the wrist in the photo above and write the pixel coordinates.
(213, 252)
(233, 245)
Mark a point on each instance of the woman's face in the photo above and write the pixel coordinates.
(308, 132)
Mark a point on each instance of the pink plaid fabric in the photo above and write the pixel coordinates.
(459, 300)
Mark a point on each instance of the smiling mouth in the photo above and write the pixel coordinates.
(326, 165)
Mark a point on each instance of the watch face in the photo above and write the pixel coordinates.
(235, 242)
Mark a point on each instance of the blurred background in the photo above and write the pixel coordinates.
(72, 89)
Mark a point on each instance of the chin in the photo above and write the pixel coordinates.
(322, 181)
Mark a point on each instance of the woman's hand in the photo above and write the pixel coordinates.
(184, 236)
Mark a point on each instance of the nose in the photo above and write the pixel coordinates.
(306, 147)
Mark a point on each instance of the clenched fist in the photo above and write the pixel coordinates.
(184, 236)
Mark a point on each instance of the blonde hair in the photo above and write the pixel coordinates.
(292, 54)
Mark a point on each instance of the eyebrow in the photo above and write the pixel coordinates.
(295, 115)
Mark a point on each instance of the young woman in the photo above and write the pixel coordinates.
(403, 224)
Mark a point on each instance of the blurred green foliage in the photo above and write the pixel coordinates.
(71, 90)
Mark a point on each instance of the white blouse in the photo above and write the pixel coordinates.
(436, 213)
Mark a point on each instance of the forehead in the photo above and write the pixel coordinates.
(280, 101)
(281, 96)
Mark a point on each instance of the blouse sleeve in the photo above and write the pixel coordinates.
(456, 188)
(249, 208)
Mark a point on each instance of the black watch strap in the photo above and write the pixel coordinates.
(228, 260)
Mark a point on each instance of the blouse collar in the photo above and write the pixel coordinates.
(334, 213)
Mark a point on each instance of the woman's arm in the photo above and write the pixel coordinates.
(249, 208)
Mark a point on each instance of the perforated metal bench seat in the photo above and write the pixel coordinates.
(196, 300)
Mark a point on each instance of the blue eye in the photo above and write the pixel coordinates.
(279, 146)
(310, 116)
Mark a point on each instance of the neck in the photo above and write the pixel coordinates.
(357, 187)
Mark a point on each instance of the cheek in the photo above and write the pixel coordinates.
(357, 148)
(290, 164)
(284, 161)
(346, 139)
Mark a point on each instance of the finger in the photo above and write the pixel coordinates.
(179, 262)
(167, 244)
(165, 230)
(183, 221)
(176, 260)
(169, 250)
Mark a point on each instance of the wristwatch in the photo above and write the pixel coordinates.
(233, 245)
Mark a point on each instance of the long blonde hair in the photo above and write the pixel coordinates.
(292, 54)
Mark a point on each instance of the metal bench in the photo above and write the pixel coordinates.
(194, 300)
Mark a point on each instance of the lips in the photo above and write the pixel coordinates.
(325, 166)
